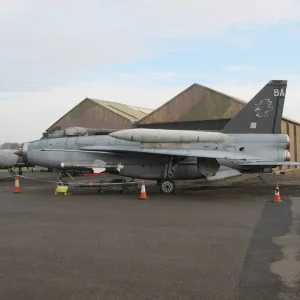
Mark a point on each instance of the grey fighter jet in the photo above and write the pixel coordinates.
(250, 142)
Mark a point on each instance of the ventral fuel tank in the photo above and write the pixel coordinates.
(147, 135)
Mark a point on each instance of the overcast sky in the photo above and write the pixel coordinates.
(54, 53)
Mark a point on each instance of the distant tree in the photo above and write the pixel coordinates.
(13, 146)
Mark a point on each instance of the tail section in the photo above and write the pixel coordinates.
(263, 113)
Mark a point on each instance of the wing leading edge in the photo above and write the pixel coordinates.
(244, 160)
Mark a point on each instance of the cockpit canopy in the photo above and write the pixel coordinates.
(77, 131)
(71, 131)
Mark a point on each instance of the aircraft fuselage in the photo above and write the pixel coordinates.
(153, 166)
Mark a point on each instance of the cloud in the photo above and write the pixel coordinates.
(28, 115)
(154, 78)
(47, 43)
(243, 68)
(175, 18)
(52, 52)
(50, 42)
(7, 7)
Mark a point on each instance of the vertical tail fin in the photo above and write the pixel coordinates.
(263, 113)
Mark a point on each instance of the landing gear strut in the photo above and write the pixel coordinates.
(20, 171)
(171, 167)
(167, 185)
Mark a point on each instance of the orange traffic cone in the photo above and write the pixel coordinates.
(277, 198)
(17, 185)
(143, 191)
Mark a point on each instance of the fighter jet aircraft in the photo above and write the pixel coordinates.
(10, 161)
(250, 142)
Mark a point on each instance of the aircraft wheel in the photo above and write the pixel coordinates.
(167, 187)
(20, 172)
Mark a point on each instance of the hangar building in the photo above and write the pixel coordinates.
(93, 113)
(202, 108)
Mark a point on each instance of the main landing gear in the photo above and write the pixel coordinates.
(167, 185)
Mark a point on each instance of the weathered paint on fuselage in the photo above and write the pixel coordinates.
(152, 166)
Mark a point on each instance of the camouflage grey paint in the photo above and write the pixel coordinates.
(151, 166)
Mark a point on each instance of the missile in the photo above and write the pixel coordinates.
(147, 135)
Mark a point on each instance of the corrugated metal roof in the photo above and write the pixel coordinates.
(131, 113)
(145, 111)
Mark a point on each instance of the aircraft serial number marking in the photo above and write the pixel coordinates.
(277, 93)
